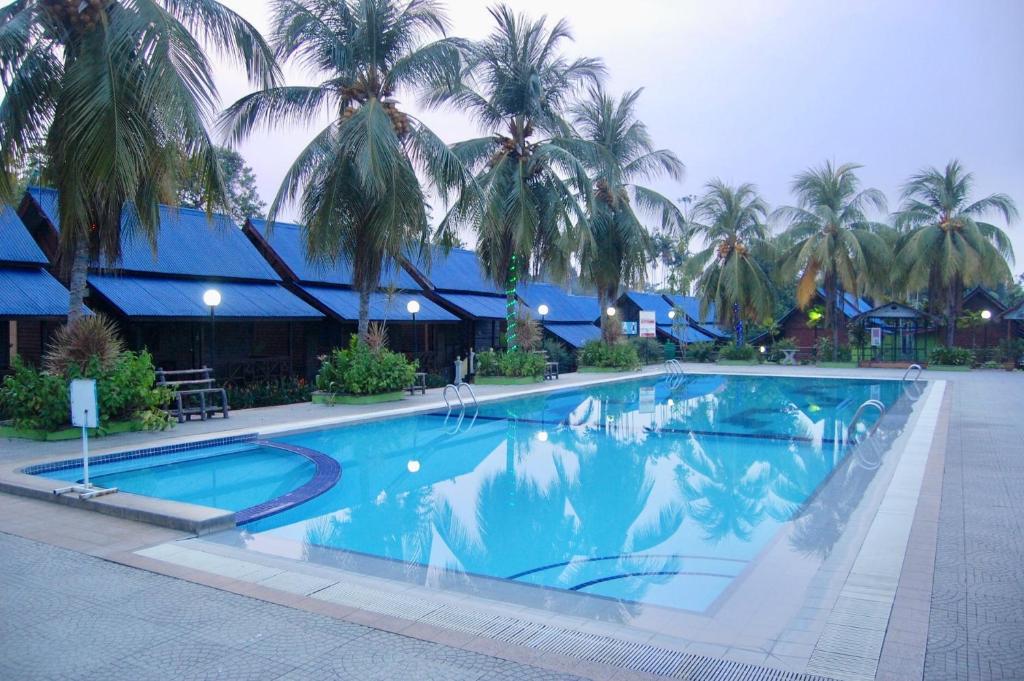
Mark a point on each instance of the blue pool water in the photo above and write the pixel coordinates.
(651, 491)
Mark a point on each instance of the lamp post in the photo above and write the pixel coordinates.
(543, 310)
(211, 298)
(412, 307)
(986, 315)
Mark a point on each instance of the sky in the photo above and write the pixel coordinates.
(758, 90)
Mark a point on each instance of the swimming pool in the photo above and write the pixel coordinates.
(658, 491)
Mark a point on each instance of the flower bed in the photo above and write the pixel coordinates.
(360, 374)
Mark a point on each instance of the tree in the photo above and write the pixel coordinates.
(621, 153)
(830, 240)
(356, 182)
(116, 92)
(241, 201)
(520, 204)
(732, 222)
(944, 245)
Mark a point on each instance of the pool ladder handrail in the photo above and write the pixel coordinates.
(458, 395)
(850, 429)
(910, 368)
(458, 391)
(673, 366)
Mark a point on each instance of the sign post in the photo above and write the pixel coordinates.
(84, 414)
(648, 328)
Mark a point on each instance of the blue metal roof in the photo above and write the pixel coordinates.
(691, 306)
(16, 244)
(286, 240)
(458, 270)
(575, 335)
(345, 303)
(481, 307)
(188, 243)
(563, 306)
(652, 302)
(850, 305)
(31, 292)
(689, 334)
(152, 297)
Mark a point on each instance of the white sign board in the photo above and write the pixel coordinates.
(648, 328)
(629, 328)
(84, 406)
(876, 336)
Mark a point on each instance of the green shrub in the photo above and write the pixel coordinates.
(436, 381)
(738, 352)
(361, 370)
(648, 349)
(602, 355)
(557, 352)
(951, 356)
(269, 393)
(699, 352)
(522, 364)
(125, 390)
(824, 351)
(488, 363)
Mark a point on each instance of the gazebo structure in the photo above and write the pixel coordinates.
(893, 332)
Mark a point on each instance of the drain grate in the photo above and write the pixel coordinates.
(588, 647)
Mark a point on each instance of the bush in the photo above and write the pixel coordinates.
(824, 351)
(557, 352)
(602, 355)
(360, 370)
(436, 381)
(77, 344)
(738, 352)
(648, 349)
(957, 357)
(699, 352)
(269, 393)
(511, 364)
(126, 391)
(522, 364)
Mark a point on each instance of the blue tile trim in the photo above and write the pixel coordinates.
(52, 466)
(328, 472)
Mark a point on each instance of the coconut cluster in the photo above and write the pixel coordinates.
(79, 16)
(725, 248)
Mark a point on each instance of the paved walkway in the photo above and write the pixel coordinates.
(976, 627)
(66, 615)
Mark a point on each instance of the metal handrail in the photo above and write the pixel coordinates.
(458, 391)
(911, 368)
(860, 411)
(445, 396)
(673, 366)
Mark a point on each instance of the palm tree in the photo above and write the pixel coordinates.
(733, 224)
(117, 93)
(944, 244)
(356, 182)
(621, 152)
(830, 239)
(516, 84)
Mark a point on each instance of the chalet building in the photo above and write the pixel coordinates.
(983, 333)
(260, 329)
(706, 324)
(32, 302)
(1012, 322)
(807, 326)
(570, 319)
(631, 303)
(456, 282)
(328, 287)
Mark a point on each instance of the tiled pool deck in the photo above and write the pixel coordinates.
(974, 615)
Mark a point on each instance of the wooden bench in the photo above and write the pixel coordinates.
(191, 386)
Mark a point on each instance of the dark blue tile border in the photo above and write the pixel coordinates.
(328, 473)
(42, 468)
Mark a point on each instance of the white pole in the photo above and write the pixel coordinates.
(85, 448)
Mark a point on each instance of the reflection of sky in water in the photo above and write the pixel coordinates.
(647, 491)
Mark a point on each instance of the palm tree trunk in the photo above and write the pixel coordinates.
(364, 314)
(77, 282)
(739, 324)
(511, 341)
(951, 305)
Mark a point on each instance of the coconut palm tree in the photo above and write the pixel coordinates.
(830, 240)
(356, 182)
(117, 93)
(523, 202)
(732, 221)
(621, 153)
(945, 245)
